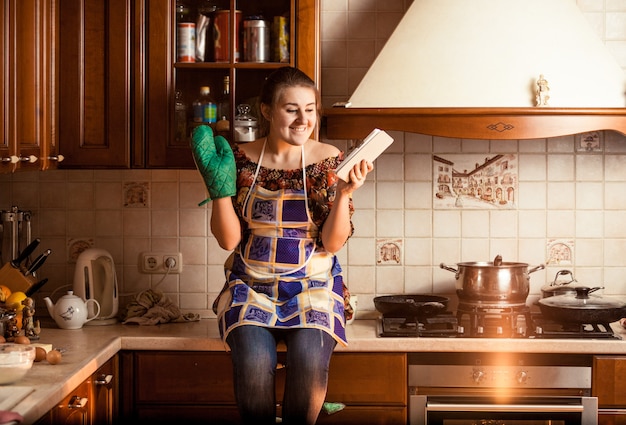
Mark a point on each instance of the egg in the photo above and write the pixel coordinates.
(54, 356)
(40, 354)
(21, 340)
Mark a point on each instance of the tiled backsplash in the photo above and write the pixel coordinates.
(400, 239)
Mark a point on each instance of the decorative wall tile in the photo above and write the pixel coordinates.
(389, 251)
(136, 194)
(560, 252)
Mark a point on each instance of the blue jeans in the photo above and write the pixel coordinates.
(254, 365)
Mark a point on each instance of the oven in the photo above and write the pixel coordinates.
(500, 388)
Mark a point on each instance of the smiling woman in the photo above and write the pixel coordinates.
(288, 216)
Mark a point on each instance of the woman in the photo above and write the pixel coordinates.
(289, 215)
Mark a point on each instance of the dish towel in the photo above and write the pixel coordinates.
(152, 308)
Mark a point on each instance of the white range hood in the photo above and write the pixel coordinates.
(477, 53)
(450, 61)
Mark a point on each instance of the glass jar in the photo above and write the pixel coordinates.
(245, 125)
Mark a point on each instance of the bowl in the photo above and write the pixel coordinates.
(15, 361)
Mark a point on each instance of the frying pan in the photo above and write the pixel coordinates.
(582, 308)
(411, 305)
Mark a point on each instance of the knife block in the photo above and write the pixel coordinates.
(13, 279)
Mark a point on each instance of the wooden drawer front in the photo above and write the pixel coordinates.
(608, 381)
(368, 378)
(612, 418)
(184, 377)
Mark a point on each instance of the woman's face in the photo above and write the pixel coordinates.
(294, 115)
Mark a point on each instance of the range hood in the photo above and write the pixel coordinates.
(471, 69)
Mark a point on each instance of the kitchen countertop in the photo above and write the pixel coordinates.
(89, 348)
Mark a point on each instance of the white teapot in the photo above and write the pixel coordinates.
(70, 311)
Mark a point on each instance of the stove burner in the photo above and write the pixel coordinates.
(491, 321)
(442, 325)
(548, 329)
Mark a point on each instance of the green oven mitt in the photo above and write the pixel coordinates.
(215, 161)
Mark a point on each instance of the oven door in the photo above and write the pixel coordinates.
(527, 410)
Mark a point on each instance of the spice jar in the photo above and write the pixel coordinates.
(245, 125)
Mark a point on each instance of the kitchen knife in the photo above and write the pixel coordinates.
(36, 287)
(25, 253)
(38, 262)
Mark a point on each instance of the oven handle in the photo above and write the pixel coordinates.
(513, 408)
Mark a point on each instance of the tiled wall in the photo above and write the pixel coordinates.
(564, 194)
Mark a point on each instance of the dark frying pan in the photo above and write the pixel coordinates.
(411, 305)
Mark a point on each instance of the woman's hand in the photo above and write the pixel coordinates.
(357, 175)
(337, 227)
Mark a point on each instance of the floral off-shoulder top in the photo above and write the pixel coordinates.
(321, 184)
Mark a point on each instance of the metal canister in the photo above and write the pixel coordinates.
(222, 33)
(256, 40)
(186, 42)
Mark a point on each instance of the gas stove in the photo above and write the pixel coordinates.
(490, 322)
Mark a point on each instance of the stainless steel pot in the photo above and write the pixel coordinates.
(559, 287)
(493, 282)
(582, 308)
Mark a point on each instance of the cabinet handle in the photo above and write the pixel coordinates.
(57, 158)
(30, 159)
(77, 402)
(103, 379)
(13, 159)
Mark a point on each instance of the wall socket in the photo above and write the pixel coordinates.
(160, 262)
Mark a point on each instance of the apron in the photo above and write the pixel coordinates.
(276, 277)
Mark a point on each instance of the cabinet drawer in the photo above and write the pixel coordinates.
(368, 378)
(184, 377)
(607, 381)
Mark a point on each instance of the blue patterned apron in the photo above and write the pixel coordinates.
(276, 277)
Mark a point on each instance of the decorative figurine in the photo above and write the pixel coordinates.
(542, 91)
(28, 319)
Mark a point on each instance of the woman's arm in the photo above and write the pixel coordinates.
(225, 224)
(336, 229)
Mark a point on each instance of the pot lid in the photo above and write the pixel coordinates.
(582, 300)
(561, 286)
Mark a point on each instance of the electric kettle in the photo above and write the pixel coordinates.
(95, 278)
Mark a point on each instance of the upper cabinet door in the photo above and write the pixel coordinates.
(28, 87)
(94, 83)
(171, 80)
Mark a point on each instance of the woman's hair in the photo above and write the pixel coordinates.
(277, 82)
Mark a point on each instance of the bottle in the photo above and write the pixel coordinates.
(185, 34)
(204, 108)
(180, 117)
(223, 107)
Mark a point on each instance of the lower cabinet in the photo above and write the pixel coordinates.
(609, 386)
(93, 402)
(197, 387)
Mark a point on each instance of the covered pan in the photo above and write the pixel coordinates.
(411, 305)
(582, 308)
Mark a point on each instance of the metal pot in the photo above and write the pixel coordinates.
(411, 305)
(582, 308)
(493, 282)
(559, 287)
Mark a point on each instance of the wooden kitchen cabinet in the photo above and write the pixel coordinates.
(94, 83)
(164, 76)
(93, 402)
(118, 77)
(197, 387)
(27, 112)
(609, 386)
